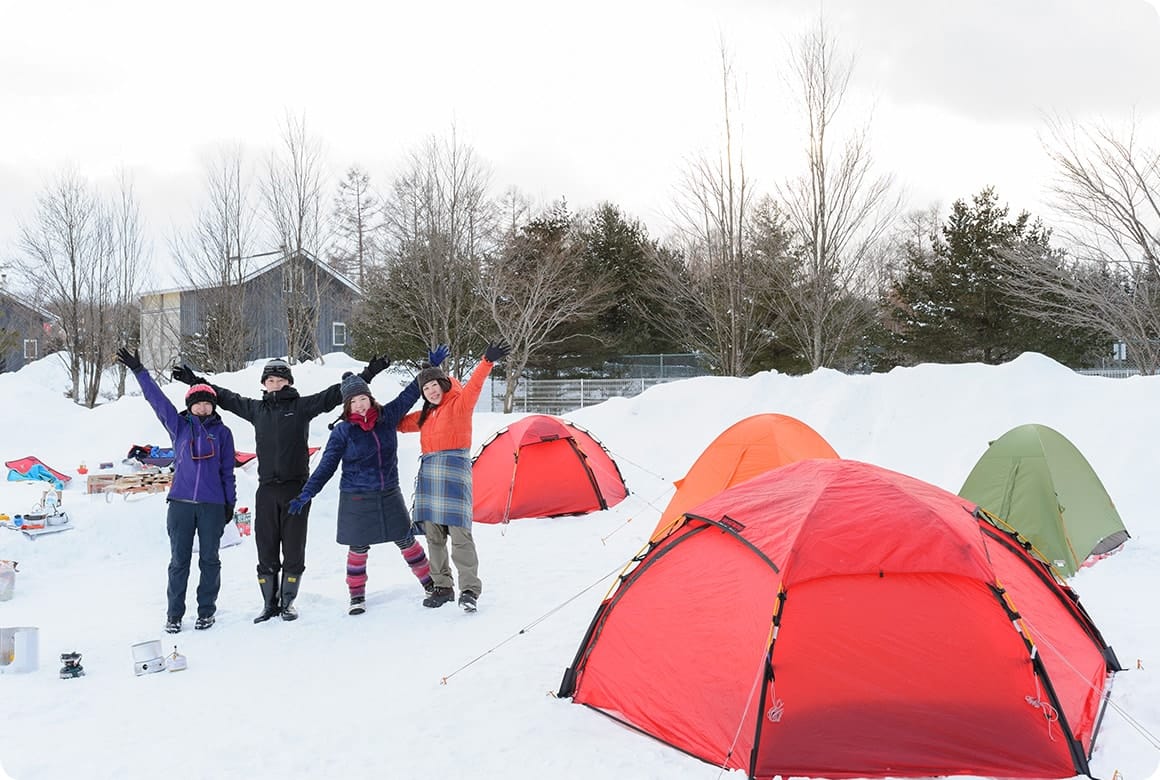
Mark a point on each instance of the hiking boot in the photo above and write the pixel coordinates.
(358, 605)
(203, 623)
(467, 601)
(172, 625)
(438, 597)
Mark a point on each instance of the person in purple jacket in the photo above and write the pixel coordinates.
(202, 497)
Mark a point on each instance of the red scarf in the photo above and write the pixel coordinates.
(365, 421)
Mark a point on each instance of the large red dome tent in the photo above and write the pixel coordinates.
(831, 618)
(543, 466)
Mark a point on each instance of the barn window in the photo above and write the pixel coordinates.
(338, 334)
(31, 349)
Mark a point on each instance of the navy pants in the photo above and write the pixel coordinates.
(207, 521)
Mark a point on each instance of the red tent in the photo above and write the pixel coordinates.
(543, 466)
(835, 619)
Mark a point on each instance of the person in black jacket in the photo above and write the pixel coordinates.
(281, 420)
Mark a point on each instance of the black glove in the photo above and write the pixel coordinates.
(375, 367)
(496, 351)
(184, 373)
(229, 513)
(131, 360)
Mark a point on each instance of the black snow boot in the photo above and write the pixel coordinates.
(289, 593)
(270, 607)
(437, 597)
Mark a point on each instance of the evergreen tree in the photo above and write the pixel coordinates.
(951, 303)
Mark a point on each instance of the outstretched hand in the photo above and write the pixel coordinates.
(438, 355)
(375, 367)
(131, 360)
(496, 351)
(297, 505)
(184, 373)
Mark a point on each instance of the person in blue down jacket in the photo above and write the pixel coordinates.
(371, 509)
(202, 497)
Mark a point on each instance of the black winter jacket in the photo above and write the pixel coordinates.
(281, 424)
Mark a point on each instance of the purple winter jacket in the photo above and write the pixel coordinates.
(203, 462)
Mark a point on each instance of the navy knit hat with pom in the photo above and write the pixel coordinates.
(352, 385)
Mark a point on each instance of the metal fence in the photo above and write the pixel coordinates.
(1111, 373)
(557, 396)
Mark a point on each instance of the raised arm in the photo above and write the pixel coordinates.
(162, 407)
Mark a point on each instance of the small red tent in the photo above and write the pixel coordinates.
(831, 618)
(543, 466)
(745, 449)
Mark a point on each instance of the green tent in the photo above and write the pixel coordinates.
(1037, 482)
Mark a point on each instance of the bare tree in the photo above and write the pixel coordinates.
(293, 198)
(538, 284)
(718, 294)
(439, 224)
(837, 208)
(83, 256)
(357, 225)
(1107, 187)
(130, 267)
(212, 256)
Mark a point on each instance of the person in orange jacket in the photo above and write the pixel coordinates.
(443, 503)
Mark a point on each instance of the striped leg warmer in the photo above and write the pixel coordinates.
(356, 571)
(417, 559)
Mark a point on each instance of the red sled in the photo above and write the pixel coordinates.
(23, 465)
(242, 458)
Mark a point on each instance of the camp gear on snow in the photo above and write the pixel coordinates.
(885, 628)
(543, 466)
(277, 367)
(175, 661)
(72, 668)
(741, 452)
(31, 469)
(1037, 482)
(19, 649)
(147, 657)
(82, 469)
(149, 455)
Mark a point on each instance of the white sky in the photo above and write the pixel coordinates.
(602, 101)
(335, 696)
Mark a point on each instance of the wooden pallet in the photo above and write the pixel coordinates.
(127, 484)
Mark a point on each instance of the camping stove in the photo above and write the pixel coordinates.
(72, 665)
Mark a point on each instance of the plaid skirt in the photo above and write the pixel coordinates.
(443, 489)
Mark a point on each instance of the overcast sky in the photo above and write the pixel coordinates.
(602, 100)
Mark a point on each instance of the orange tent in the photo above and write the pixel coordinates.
(747, 448)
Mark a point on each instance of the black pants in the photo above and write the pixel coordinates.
(280, 537)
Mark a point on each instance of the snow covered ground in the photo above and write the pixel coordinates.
(405, 691)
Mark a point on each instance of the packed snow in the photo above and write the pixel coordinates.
(404, 691)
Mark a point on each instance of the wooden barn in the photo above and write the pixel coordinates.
(295, 307)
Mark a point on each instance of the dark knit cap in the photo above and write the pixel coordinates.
(352, 385)
(198, 393)
(277, 367)
(433, 374)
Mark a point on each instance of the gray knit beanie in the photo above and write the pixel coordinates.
(352, 385)
(277, 367)
(433, 374)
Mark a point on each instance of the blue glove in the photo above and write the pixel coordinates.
(438, 355)
(297, 505)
